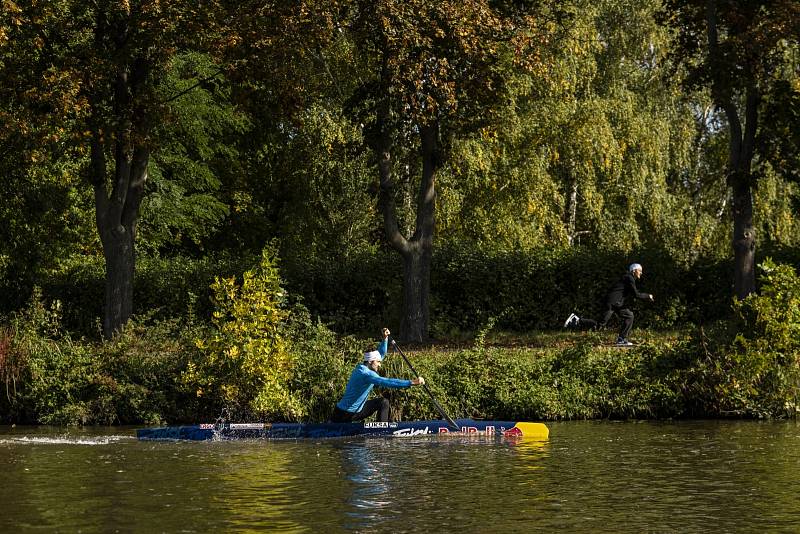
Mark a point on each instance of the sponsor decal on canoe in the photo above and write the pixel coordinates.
(247, 426)
(380, 424)
(411, 431)
(207, 426)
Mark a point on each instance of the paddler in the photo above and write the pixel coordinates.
(354, 406)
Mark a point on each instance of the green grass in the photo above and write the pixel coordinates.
(545, 340)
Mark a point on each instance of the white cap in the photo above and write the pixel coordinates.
(372, 356)
(633, 266)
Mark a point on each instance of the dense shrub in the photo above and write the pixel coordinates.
(358, 294)
(265, 358)
(55, 379)
(164, 288)
(355, 295)
(538, 289)
(763, 360)
(523, 290)
(580, 382)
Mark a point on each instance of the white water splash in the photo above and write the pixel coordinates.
(65, 440)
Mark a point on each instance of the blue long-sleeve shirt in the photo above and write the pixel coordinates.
(361, 382)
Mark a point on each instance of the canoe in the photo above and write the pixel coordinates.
(233, 431)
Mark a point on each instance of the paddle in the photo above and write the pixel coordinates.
(438, 406)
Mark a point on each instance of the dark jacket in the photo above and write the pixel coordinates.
(625, 287)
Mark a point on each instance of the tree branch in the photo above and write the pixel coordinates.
(193, 87)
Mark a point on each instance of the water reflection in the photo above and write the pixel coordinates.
(397, 485)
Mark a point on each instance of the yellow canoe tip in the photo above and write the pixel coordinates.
(532, 430)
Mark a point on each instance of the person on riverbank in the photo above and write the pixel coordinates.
(354, 405)
(615, 304)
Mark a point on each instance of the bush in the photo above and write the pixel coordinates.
(267, 358)
(580, 382)
(323, 363)
(246, 362)
(765, 354)
(533, 289)
(164, 288)
(538, 289)
(53, 379)
(357, 295)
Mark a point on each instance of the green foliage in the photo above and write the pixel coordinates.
(766, 351)
(318, 180)
(246, 361)
(356, 294)
(579, 382)
(150, 372)
(587, 103)
(53, 379)
(138, 374)
(44, 374)
(197, 154)
(748, 367)
(537, 289)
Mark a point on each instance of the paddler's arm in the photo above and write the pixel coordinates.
(384, 345)
(393, 383)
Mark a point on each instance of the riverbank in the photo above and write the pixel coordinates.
(261, 358)
(152, 374)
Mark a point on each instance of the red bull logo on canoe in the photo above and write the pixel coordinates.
(490, 430)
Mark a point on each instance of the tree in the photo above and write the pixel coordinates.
(435, 71)
(738, 50)
(305, 177)
(92, 68)
(43, 215)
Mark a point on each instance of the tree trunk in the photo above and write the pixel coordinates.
(744, 242)
(416, 293)
(117, 215)
(571, 209)
(121, 131)
(741, 149)
(418, 250)
(120, 266)
(742, 181)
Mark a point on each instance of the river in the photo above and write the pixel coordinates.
(687, 476)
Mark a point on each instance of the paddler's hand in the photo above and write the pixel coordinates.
(386, 333)
(419, 381)
(652, 298)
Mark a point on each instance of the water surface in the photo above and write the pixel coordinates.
(705, 476)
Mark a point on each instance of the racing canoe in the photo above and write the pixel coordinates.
(232, 431)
